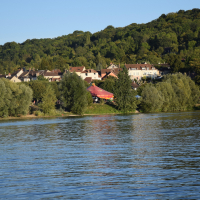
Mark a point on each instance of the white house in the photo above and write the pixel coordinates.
(90, 73)
(137, 71)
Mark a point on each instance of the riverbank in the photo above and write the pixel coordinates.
(94, 109)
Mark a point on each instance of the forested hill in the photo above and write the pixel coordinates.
(177, 33)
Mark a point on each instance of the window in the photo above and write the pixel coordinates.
(86, 74)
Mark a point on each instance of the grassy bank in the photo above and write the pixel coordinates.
(99, 109)
(94, 109)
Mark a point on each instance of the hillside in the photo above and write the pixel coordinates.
(171, 38)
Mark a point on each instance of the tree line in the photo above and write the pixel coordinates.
(176, 92)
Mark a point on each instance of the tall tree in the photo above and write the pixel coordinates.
(73, 93)
(48, 100)
(123, 93)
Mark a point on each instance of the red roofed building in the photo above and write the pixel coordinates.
(88, 79)
(100, 93)
(78, 70)
(114, 71)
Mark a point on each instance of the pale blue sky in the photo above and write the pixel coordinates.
(27, 19)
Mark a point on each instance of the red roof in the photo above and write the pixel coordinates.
(139, 66)
(89, 71)
(76, 69)
(98, 92)
(88, 79)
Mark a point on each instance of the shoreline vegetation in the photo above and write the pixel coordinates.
(96, 108)
(175, 92)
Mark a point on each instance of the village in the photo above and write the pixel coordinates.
(135, 71)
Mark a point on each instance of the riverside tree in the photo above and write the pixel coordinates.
(151, 99)
(177, 92)
(123, 93)
(48, 100)
(73, 93)
(14, 99)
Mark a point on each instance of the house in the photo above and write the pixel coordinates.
(52, 76)
(17, 73)
(78, 70)
(90, 73)
(113, 66)
(113, 72)
(137, 71)
(14, 79)
(25, 76)
(109, 74)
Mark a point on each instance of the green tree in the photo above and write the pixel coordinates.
(108, 84)
(89, 98)
(151, 99)
(41, 78)
(73, 93)
(14, 99)
(123, 93)
(187, 93)
(39, 88)
(48, 100)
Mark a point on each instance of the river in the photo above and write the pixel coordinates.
(138, 156)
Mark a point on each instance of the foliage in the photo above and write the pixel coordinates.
(177, 92)
(14, 99)
(41, 78)
(73, 93)
(89, 98)
(102, 109)
(48, 100)
(151, 99)
(124, 95)
(108, 84)
(39, 88)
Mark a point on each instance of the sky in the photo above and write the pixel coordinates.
(28, 19)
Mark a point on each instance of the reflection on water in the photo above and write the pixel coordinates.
(144, 156)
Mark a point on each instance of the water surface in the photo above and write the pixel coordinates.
(140, 156)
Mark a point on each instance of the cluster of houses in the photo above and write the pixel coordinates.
(23, 75)
(135, 71)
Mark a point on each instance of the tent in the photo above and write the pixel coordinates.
(98, 92)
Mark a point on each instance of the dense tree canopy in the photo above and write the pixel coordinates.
(177, 34)
(123, 93)
(14, 99)
(177, 92)
(73, 93)
(48, 100)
